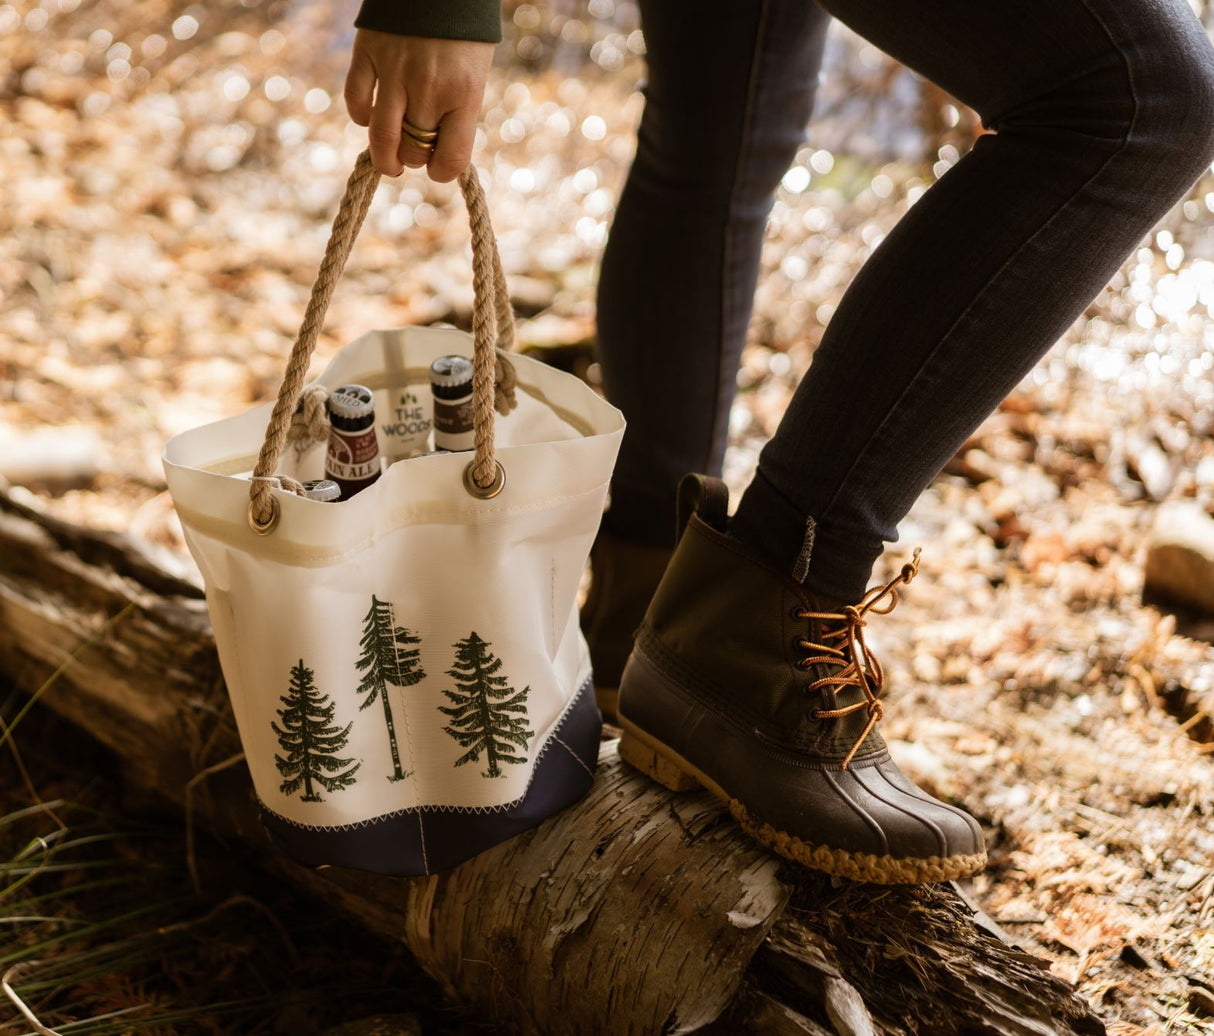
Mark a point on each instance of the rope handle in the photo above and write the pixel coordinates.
(492, 324)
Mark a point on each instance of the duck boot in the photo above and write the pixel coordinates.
(743, 683)
(623, 577)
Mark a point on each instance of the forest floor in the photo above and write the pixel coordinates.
(166, 181)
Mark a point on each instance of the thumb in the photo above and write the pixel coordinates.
(360, 87)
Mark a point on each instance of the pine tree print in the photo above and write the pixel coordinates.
(388, 658)
(310, 740)
(480, 720)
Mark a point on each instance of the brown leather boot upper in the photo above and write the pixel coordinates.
(624, 575)
(770, 698)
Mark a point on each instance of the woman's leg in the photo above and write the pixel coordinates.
(1103, 115)
(746, 677)
(728, 97)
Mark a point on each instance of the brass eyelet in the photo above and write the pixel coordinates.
(270, 524)
(485, 492)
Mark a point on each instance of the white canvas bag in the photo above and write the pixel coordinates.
(406, 669)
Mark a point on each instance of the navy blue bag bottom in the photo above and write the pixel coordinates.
(429, 839)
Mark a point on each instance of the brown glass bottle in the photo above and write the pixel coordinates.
(352, 460)
(451, 384)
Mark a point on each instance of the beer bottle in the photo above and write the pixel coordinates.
(451, 384)
(352, 460)
(322, 489)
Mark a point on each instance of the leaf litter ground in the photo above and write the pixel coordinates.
(167, 184)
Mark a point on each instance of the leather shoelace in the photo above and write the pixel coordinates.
(844, 648)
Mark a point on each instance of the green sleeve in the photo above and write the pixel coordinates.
(446, 19)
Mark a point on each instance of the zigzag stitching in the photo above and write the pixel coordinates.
(585, 689)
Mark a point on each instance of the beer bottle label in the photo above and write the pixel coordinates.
(453, 424)
(405, 428)
(353, 458)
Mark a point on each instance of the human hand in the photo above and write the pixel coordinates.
(438, 83)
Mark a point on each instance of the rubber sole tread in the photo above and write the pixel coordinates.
(654, 759)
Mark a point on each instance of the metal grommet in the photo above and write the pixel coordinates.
(485, 492)
(271, 524)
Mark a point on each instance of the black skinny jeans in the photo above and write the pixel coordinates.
(1103, 116)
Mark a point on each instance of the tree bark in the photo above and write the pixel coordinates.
(637, 910)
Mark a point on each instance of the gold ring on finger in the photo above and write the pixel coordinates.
(424, 145)
(418, 135)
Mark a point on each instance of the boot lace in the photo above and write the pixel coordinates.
(842, 646)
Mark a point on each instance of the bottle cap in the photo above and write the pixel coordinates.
(351, 401)
(451, 372)
(324, 489)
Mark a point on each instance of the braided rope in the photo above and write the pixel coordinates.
(505, 380)
(505, 312)
(360, 188)
(503, 374)
(310, 422)
(492, 322)
(485, 322)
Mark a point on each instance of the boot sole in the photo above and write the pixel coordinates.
(654, 759)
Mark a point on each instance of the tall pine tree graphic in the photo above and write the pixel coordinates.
(481, 721)
(388, 658)
(311, 740)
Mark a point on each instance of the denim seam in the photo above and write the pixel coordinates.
(881, 429)
(728, 244)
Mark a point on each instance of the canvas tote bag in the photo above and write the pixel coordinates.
(405, 667)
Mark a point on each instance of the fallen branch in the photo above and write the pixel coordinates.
(635, 911)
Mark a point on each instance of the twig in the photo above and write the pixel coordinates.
(200, 776)
(21, 814)
(49, 919)
(25, 777)
(1201, 712)
(1142, 676)
(37, 843)
(232, 901)
(217, 729)
(18, 1003)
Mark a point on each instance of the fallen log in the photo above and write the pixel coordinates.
(637, 910)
